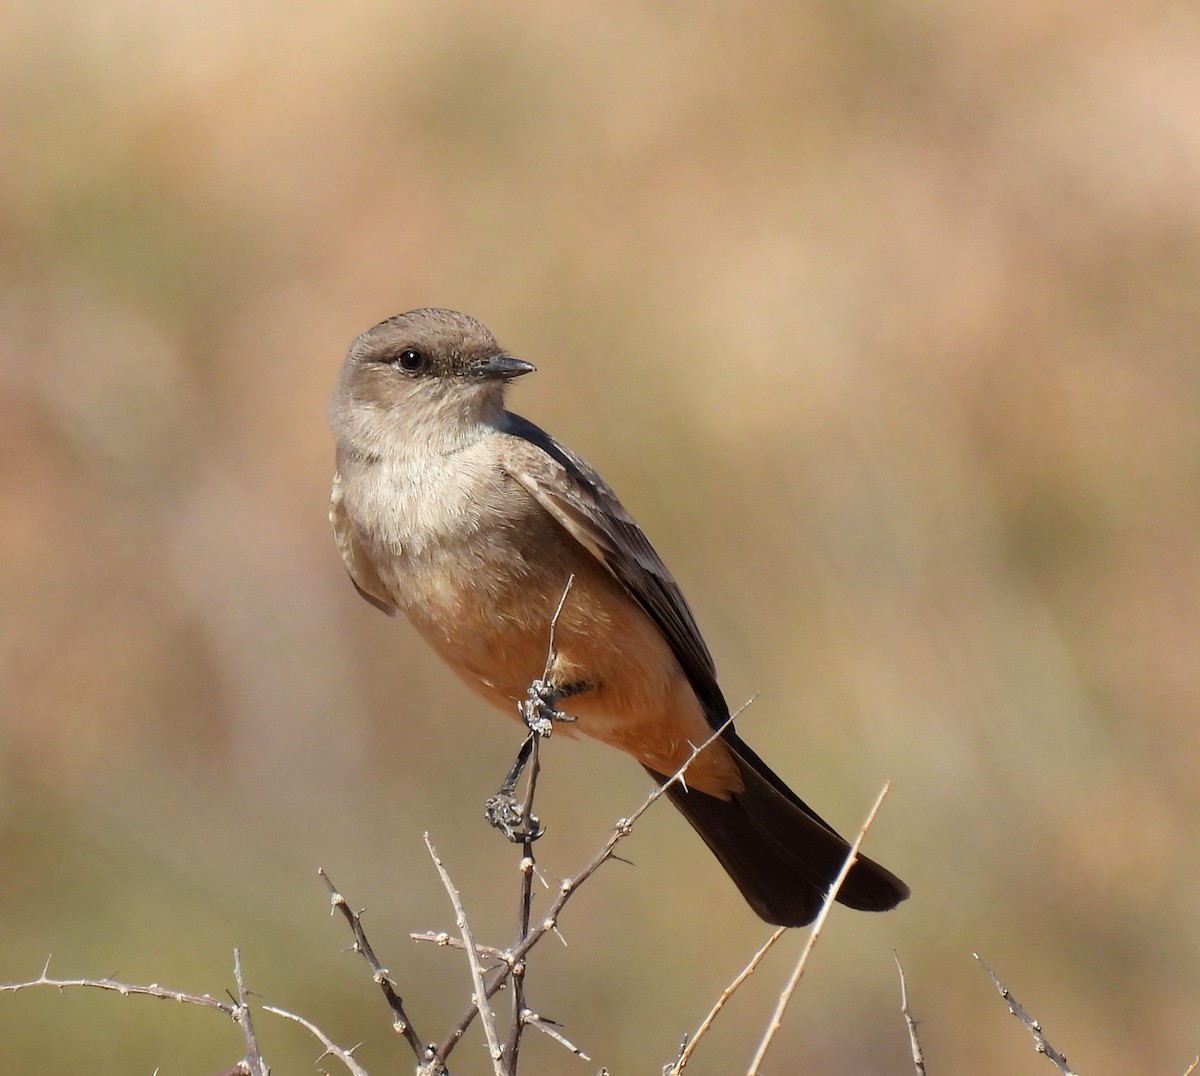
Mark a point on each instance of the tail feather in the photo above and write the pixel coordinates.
(779, 852)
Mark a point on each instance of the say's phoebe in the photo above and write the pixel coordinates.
(471, 520)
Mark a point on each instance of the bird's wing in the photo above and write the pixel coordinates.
(580, 500)
(362, 573)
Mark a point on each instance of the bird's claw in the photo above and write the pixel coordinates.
(539, 710)
(506, 814)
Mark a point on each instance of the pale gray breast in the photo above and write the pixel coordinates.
(446, 529)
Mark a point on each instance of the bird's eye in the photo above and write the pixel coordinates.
(410, 360)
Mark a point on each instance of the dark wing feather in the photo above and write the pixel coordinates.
(574, 494)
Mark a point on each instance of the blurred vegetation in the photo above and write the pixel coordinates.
(883, 318)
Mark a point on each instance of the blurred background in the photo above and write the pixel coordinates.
(883, 319)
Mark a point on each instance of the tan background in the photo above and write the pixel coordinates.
(883, 318)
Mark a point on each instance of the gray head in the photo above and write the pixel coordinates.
(432, 371)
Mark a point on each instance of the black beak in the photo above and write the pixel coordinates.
(504, 367)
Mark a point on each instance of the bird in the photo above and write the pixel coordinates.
(489, 535)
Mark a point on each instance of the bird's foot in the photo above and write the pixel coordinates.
(507, 813)
(539, 709)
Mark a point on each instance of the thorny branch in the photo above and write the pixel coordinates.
(479, 998)
(531, 831)
(400, 1021)
(918, 1055)
(1035, 1029)
(254, 1064)
(566, 889)
(152, 990)
(237, 1009)
(331, 1049)
(525, 901)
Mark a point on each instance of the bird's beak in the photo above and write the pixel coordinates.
(504, 367)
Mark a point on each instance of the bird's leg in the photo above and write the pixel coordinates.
(539, 711)
(504, 811)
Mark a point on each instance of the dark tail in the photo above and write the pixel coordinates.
(780, 853)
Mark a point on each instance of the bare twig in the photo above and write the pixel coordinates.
(918, 1055)
(531, 1019)
(400, 1021)
(1192, 1067)
(480, 993)
(689, 1045)
(449, 941)
(530, 833)
(239, 1010)
(1035, 1029)
(786, 996)
(551, 643)
(255, 1066)
(152, 990)
(331, 1048)
(525, 901)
